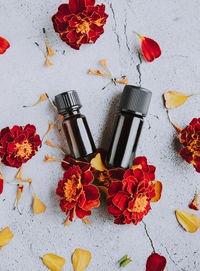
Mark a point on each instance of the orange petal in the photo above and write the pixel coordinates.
(19, 193)
(53, 262)
(19, 173)
(38, 206)
(87, 222)
(97, 163)
(158, 191)
(174, 99)
(48, 62)
(5, 236)
(175, 126)
(42, 98)
(4, 45)
(50, 159)
(51, 125)
(194, 204)
(50, 52)
(150, 48)
(123, 81)
(48, 142)
(189, 222)
(67, 222)
(103, 62)
(81, 259)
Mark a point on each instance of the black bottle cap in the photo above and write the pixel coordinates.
(67, 101)
(135, 99)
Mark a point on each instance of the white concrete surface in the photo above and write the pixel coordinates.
(23, 77)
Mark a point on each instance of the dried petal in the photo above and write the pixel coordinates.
(189, 222)
(4, 45)
(5, 236)
(123, 81)
(194, 204)
(50, 159)
(19, 193)
(87, 222)
(53, 262)
(124, 261)
(158, 191)
(48, 142)
(50, 52)
(48, 62)
(81, 259)
(104, 64)
(174, 99)
(150, 48)
(156, 262)
(19, 173)
(1, 183)
(42, 98)
(51, 125)
(179, 130)
(38, 206)
(97, 163)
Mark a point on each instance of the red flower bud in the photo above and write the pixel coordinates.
(156, 262)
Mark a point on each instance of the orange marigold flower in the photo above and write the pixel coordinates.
(4, 45)
(18, 145)
(190, 138)
(129, 200)
(77, 194)
(80, 22)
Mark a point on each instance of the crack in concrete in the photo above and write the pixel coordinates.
(126, 37)
(139, 70)
(147, 234)
(172, 259)
(115, 26)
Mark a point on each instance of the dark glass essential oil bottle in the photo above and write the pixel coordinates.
(133, 107)
(76, 129)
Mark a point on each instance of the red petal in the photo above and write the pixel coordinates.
(115, 187)
(76, 6)
(150, 49)
(80, 213)
(4, 45)
(91, 192)
(116, 173)
(114, 210)
(156, 262)
(1, 186)
(121, 200)
(87, 177)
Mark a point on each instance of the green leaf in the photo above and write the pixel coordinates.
(124, 261)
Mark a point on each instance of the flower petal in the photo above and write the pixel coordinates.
(174, 99)
(38, 206)
(1, 183)
(189, 222)
(150, 49)
(81, 259)
(156, 262)
(158, 191)
(194, 204)
(53, 262)
(5, 236)
(4, 45)
(97, 163)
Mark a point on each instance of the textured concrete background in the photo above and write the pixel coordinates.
(23, 76)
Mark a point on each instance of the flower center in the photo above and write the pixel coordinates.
(70, 188)
(140, 204)
(23, 149)
(83, 28)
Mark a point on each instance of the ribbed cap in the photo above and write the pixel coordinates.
(135, 99)
(67, 101)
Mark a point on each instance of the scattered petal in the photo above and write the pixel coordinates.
(5, 236)
(179, 130)
(51, 125)
(38, 206)
(48, 142)
(189, 222)
(158, 191)
(194, 204)
(174, 99)
(50, 52)
(150, 48)
(50, 159)
(124, 261)
(156, 262)
(1, 183)
(53, 262)
(19, 193)
(66, 222)
(123, 81)
(81, 259)
(4, 45)
(42, 98)
(48, 62)
(87, 222)
(103, 62)
(19, 173)
(97, 163)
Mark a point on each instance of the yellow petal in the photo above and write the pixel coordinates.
(5, 236)
(51, 125)
(48, 62)
(174, 99)
(81, 259)
(136, 166)
(19, 173)
(103, 62)
(38, 206)
(42, 98)
(123, 81)
(53, 262)
(19, 193)
(87, 222)
(97, 163)
(49, 50)
(158, 191)
(49, 143)
(189, 222)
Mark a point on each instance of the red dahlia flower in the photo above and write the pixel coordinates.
(18, 145)
(190, 138)
(129, 200)
(80, 22)
(77, 194)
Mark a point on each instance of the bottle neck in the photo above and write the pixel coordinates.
(132, 113)
(70, 113)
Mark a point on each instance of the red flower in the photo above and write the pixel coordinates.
(77, 194)
(190, 138)
(150, 48)
(129, 200)
(1, 183)
(80, 22)
(18, 145)
(156, 262)
(4, 45)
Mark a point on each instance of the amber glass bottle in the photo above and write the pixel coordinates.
(76, 129)
(133, 107)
